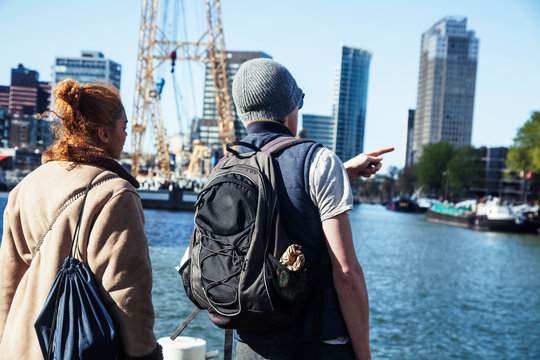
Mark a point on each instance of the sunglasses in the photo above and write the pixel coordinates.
(301, 103)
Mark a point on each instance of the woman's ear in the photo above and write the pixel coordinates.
(103, 135)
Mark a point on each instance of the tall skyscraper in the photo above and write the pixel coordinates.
(446, 85)
(350, 102)
(208, 125)
(89, 67)
(27, 95)
(320, 129)
(410, 137)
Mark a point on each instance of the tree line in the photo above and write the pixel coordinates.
(446, 172)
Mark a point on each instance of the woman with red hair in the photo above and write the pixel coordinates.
(39, 221)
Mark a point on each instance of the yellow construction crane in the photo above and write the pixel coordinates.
(154, 51)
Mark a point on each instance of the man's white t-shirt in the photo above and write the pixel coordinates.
(329, 186)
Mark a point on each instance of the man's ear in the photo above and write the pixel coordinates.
(103, 135)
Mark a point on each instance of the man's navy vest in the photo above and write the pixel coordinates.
(301, 220)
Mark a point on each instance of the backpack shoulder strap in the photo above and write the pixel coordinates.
(62, 208)
(282, 143)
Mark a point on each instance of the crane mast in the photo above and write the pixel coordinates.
(155, 50)
(146, 100)
(217, 57)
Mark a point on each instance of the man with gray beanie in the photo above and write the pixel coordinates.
(314, 196)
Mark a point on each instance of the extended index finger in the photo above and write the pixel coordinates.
(381, 151)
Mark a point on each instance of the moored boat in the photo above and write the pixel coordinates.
(461, 214)
(402, 205)
(489, 214)
(496, 216)
(178, 195)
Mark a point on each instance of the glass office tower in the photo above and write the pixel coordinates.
(350, 102)
(320, 128)
(446, 85)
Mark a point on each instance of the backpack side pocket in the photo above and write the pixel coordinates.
(185, 272)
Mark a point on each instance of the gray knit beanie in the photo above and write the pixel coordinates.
(263, 89)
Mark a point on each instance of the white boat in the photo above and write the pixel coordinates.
(496, 215)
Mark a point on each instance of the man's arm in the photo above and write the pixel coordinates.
(349, 282)
(365, 164)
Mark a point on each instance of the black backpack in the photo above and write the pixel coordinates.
(233, 269)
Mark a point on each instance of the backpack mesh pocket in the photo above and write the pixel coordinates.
(291, 286)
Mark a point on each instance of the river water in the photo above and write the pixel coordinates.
(435, 291)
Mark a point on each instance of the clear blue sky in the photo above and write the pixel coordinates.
(306, 36)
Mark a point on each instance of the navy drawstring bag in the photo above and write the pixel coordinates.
(74, 323)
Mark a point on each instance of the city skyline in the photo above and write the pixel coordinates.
(507, 83)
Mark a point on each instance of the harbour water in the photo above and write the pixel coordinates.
(435, 291)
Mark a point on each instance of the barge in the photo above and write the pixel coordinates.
(182, 194)
(490, 215)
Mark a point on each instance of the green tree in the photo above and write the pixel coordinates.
(465, 169)
(432, 165)
(524, 155)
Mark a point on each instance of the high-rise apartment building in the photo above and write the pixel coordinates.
(350, 102)
(27, 95)
(410, 137)
(446, 85)
(19, 101)
(89, 67)
(320, 129)
(208, 125)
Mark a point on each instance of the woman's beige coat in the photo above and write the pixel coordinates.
(112, 243)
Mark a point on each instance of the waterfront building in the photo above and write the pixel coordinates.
(319, 128)
(498, 181)
(494, 160)
(87, 68)
(350, 102)
(27, 95)
(4, 96)
(44, 96)
(29, 133)
(208, 126)
(409, 145)
(4, 126)
(446, 85)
